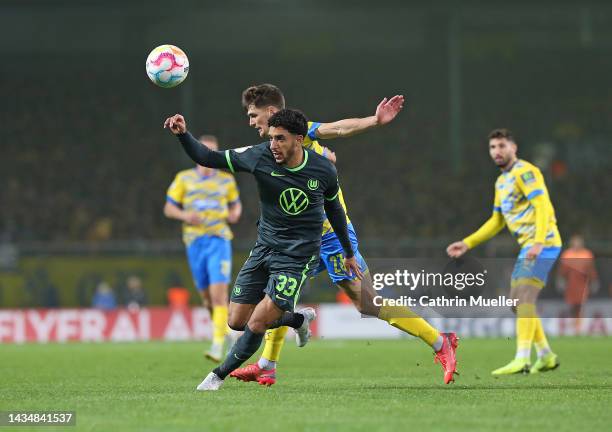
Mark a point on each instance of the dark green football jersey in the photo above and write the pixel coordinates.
(292, 199)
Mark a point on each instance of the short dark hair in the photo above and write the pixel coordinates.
(292, 120)
(501, 133)
(263, 95)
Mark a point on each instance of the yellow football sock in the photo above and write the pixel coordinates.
(539, 338)
(275, 339)
(526, 323)
(409, 322)
(219, 319)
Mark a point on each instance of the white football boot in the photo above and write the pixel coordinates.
(211, 382)
(303, 333)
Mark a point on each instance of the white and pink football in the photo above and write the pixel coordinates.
(167, 66)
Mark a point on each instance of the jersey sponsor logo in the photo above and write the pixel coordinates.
(313, 184)
(293, 201)
(528, 177)
(275, 174)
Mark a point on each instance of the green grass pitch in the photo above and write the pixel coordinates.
(328, 385)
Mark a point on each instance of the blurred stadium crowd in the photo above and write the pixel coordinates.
(80, 164)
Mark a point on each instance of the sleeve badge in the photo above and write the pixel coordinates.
(528, 177)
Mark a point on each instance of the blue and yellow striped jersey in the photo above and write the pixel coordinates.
(209, 197)
(513, 190)
(311, 143)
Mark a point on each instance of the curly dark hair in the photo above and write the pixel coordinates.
(292, 120)
(263, 95)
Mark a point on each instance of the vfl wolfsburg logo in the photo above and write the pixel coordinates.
(293, 201)
(313, 184)
(237, 290)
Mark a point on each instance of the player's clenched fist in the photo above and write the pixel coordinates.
(455, 250)
(176, 124)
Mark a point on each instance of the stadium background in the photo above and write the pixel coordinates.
(85, 163)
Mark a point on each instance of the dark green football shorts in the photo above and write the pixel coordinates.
(268, 271)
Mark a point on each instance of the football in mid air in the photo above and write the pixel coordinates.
(167, 66)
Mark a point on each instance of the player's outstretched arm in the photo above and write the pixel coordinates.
(198, 152)
(487, 231)
(386, 111)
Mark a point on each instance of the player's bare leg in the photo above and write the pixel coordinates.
(239, 315)
(218, 293)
